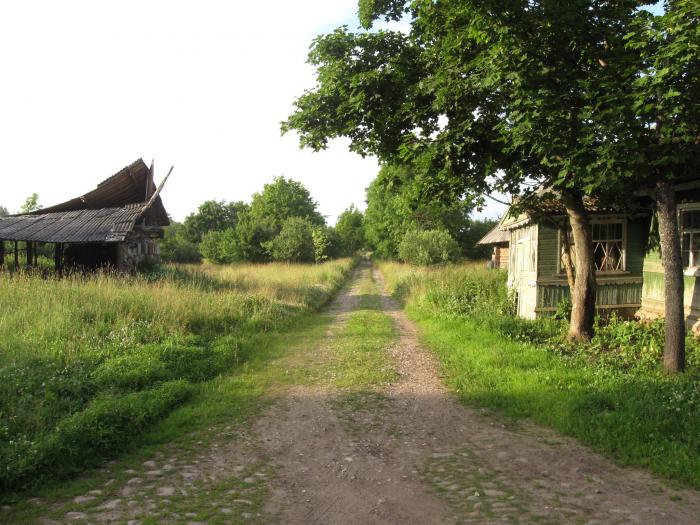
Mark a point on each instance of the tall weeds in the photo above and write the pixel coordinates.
(105, 355)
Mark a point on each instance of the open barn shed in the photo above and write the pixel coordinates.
(117, 225)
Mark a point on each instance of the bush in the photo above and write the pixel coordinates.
(295, 241)
(176, 248)
(221, 247)
(428, 247)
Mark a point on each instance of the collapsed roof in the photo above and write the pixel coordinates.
(106, 214)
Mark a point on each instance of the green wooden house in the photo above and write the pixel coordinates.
(629, 273)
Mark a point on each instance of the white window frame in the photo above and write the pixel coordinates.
(693, 267)
(601, 220)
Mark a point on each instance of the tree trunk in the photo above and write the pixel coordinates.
(671, 258)
(566, 258)
(583, 291)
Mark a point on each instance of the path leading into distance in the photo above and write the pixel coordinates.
(402, 453)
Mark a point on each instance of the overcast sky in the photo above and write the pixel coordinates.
(88, 87)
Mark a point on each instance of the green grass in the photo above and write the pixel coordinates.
(360, 361)
(348, 358)
(610, 394)
(89, 363)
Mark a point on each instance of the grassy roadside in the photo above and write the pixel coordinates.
(316, 351)
(613, 398)
(87, 365)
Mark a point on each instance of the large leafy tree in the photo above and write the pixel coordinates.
(350, 230)
(269, 210)
(284, 198)
(482, 95)
(396, 205)
(212, 215)
(653, 128)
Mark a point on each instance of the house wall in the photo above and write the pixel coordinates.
(548, 287)
(653, 291)
(500, 256)
(522, 268)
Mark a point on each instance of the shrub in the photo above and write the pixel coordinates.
(221, 247)
(295, 241)
(176, 248)
(428, 247)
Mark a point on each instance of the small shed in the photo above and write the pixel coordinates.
(116, 225)
(500, 240)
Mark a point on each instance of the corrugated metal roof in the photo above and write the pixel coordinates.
(80, 226)
(495, 236)
(128, 186)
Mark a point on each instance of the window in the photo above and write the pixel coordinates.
(608, 239)
(690, 238)
(608, 245)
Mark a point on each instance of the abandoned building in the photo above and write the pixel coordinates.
(117, 226)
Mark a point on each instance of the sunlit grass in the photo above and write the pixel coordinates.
(610, 394)
(102, 356)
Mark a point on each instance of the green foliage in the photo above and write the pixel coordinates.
(428, 247)
(473, 231)
(176, 248)
(106, 426)
(325, 243)
(610, 393)
(350, 230)
(295, 242)
(657, 118)
(89, 362)
(221, 247)
(212, 216)
(396, 204)
(282, 199)
(31, 204)
(3, 211)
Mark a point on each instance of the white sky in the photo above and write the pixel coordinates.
(88, 87)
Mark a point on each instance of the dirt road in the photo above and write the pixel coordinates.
(401, 453)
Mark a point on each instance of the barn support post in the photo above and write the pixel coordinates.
(16, 255)
(58, 258)
(35, 253)
(2, 254)
(28, 253)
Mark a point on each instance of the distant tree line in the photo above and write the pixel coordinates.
(282, 223)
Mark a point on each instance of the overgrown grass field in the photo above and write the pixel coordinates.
(88, 363)
(610, 393)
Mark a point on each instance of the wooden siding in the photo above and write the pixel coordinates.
(623, 294)
(522, 273)
(653, 291)
(502, 257)
(548, 246)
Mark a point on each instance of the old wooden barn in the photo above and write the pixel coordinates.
(117, 225)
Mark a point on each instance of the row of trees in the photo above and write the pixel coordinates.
(581, 98)
(281, 223)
